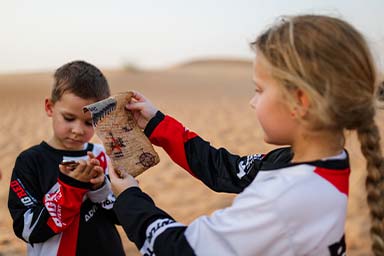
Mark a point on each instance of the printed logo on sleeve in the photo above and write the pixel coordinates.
(153, 231)
(246, 164)
(21, 193)
(54, 209)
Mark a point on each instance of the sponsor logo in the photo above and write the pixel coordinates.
(90, 213)
(105, 204)
(19, 190)
(246, 164)
(159, 225)
(53, 208)
(153, 231)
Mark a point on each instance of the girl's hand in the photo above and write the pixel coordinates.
(119, 184)
(143, 110)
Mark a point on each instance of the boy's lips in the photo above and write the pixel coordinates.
(73, 141)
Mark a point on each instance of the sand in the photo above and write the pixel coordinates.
(209, 97)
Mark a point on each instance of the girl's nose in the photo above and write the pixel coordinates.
(253, 101)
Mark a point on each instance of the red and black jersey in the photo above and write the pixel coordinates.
(56, 214)
(282, 208)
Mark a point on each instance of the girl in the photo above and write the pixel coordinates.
(314, 78)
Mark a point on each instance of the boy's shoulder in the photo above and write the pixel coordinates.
(33, 151)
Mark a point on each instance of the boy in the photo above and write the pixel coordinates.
(61, 209)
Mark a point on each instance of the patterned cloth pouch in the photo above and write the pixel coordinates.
(127, 146)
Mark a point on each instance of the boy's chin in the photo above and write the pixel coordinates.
(73, 145)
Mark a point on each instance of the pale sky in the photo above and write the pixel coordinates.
(41, 35)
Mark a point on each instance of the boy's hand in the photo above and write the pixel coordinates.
(86, 171)
(98, 172)
(143, 110)
(119, 184)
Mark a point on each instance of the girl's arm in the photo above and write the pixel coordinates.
(217, 168)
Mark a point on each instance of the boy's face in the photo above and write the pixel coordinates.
(71, 127)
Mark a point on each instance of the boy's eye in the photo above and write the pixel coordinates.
(88, 123)
(69, 119)
(258, 90)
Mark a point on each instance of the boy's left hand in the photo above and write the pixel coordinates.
(97, 173)
(119, 184)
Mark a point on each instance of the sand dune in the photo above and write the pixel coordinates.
(209, 97)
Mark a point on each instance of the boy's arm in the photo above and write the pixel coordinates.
(38, 216)
(217, 168)
(104, 195)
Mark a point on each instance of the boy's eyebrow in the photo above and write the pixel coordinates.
(72, 115)
(67, 113)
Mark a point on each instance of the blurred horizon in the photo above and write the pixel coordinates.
(41, 35)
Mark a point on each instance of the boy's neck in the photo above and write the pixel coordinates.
(317, 145)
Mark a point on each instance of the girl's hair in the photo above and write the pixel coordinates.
(330, 61)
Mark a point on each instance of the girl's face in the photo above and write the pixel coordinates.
(71, 127)
(278, 122)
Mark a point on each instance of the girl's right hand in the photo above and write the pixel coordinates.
(143, 110)
(118, 183)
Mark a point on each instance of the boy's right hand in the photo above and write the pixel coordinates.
(143, 110)
(85, 170)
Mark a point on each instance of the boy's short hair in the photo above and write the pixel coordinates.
(82, 79)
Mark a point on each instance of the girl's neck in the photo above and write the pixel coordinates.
(317, 145)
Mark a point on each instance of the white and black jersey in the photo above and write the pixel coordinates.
(56, 214)
(282, 208)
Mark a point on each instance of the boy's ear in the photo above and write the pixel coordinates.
(302, 103)
(48, 104)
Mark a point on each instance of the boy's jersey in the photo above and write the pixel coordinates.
(56, 214)
(283, 208)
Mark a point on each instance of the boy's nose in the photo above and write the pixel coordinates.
(78, 129)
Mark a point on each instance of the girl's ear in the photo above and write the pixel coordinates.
(48, 104)
(302, 104)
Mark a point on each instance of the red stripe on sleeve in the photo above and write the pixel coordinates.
(63, 205)
(171, 135)
(338, 178)
(68, 242)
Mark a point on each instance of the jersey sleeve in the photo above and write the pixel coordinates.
(217, 168)
(37, 215)
(230, 231)
(104, 196)
(153, 231)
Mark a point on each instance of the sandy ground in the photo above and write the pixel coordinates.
(209, 97)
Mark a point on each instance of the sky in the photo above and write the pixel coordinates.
(41, 35)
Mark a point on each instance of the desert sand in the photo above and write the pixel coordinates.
(209, 97)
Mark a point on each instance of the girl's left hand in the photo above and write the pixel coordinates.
(119, 184)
